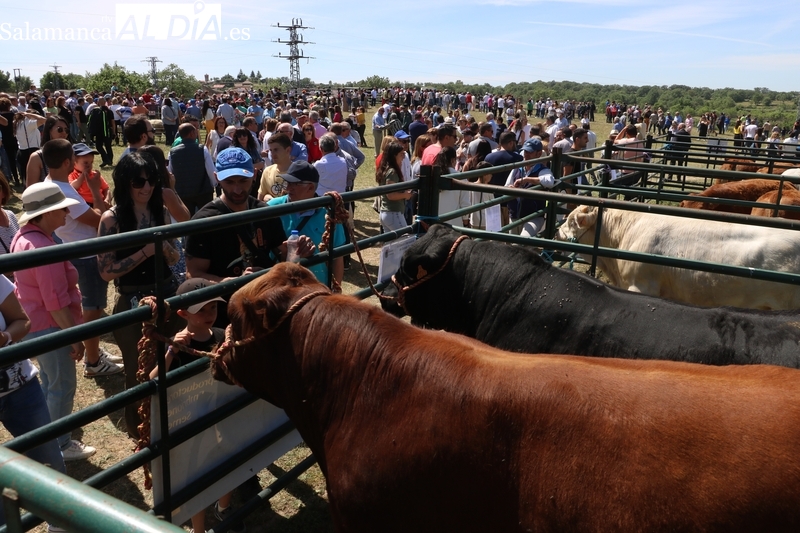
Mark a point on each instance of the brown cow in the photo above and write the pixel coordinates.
(425, 431)
(750, 190)
(748, 165)
(788, 197)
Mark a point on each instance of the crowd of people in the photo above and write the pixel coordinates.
(260, 148)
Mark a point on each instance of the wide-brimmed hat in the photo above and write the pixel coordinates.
(41, 198)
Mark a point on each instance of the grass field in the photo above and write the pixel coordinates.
(300, 508)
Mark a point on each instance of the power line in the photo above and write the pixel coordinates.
(295, 54)
(153, 70)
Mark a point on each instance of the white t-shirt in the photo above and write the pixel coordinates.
(28, 134)
(19, 373)
(74, 231)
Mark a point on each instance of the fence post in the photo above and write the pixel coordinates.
(428, 206)
(552, 205)
(162, 378)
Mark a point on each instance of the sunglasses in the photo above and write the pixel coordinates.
(60, 129)
(138, 182)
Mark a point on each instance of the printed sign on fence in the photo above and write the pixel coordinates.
(391, 255)
(189, 400)
(493, 219)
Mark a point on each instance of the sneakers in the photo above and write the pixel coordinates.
(103, 368)
(110, 357)
(238, 527)
(76, 451)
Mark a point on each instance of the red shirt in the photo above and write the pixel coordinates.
(84, 190)
(430, 153)
(314, 153)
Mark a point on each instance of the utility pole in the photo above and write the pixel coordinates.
(55, 80)
(17, 78)
(295, 54)
(153, 70)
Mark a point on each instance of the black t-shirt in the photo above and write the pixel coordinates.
(182, 358)
(222, 247)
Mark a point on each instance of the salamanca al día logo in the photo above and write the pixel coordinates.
(161, 22)
(26, 32)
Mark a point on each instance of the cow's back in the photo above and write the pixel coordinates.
(559, 443)
(708, 241)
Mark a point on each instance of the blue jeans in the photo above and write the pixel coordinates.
(25, 410)
(57, 372)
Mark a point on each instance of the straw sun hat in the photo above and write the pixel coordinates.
(41, 198)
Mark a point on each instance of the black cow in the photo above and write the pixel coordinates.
(510, 298)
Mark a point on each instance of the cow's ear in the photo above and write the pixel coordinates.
(272, 305)
(586, 216)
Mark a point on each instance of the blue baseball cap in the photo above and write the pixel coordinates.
(534, 144)
(402, 135)
(234, 162)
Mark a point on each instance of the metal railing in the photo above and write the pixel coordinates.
(429, 185)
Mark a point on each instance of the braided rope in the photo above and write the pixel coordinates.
(341, 216)
(147, 347)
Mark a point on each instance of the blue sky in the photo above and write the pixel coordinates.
(708, 43)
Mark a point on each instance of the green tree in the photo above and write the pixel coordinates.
(252, 75)
(110, 74)
(241, 76)
(258, 76)
(374, 81)
(227, 79)
(59, 81)
(6, 81)
(178, 80)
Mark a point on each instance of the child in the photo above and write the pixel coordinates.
(200, 335)
(84, 160)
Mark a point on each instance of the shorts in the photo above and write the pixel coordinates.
(94, 289)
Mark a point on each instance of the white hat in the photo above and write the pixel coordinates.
(41, 198)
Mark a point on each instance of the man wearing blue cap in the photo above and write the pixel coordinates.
(229, 253)
(194, 111)
(524, 178)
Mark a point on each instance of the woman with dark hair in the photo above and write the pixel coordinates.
(451, 200)
(337, 113)
(484, 149)
(312, 143)
(50, 106)
(213, 136)
(393, 205)
(54, 128)
(243, 139)
(169, 117)
(65, 113)
(9, 139)
(178, 212)
(139, 205)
